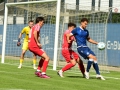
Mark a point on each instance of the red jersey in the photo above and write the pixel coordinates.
(32, 42)
(65, 43)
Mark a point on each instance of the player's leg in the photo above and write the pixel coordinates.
(68, 66)
(96, 67)
(22, 58)
(81, 66)
(24, 49)
(93, 59)
(70, 62)
(41, 53)
(39, 68)
(40, 64)
(34, 61)
(80, 62)
(45, 65)
(85, 52)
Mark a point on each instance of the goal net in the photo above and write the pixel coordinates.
(97, 29)
(18, 14)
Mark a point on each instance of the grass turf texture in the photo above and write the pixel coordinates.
(12, 78)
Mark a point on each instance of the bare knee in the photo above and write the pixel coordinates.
(45, 57)
(73, 62)
(93, 57)
(79, 61)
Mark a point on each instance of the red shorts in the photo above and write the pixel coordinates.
(36, 51)
(69, 54)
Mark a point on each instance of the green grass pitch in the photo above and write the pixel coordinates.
(12, 78)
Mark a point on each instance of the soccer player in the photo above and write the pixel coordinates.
(81, 35)
(70, 56)
(35, 47)
(26, 31)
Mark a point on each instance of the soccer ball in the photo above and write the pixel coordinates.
(101, 45)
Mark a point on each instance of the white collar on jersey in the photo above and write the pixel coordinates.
(81, 28)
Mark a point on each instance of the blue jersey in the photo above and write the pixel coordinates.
(80, 36)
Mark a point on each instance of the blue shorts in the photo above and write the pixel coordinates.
(85, 52)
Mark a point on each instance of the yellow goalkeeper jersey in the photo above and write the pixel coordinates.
(26, 32)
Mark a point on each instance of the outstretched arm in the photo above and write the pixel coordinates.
(91, 40)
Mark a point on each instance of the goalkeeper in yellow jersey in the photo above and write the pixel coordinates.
(25, 43)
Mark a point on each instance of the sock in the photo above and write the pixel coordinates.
(43, 73)
(38, 69)
(45, 64)
(67, 67)
(82, 68)
(40, 63)
(34, 62)
(95, 66)
(90, 61)
(21, 61)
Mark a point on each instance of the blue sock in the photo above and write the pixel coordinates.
(95, 66)
(90, 61)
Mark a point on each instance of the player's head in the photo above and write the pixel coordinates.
(84, 22)
(40, 21)
(71, 26)
(31, 23)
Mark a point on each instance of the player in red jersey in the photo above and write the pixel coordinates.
(35, 47)
(70, 56)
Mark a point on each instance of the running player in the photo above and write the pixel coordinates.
(25, 43)
(70, 56)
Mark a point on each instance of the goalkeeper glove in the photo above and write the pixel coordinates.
(18, 43)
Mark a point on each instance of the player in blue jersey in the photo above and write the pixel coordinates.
(81, 35)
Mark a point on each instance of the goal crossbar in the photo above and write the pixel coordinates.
(30, 2)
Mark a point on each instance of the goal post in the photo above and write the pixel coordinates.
(26, 3)
(56, 35)
(4, 34)
(57, 15)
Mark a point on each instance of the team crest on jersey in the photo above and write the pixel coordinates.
(87, 53)
(81, 51)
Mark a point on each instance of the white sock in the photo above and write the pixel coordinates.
(43, 73)
(38, 70)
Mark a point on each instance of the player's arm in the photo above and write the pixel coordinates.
(91, 40)
(74, 39)
(39, 38)
(68, 37)
(71, 34)
(36, 38)
(20, 36)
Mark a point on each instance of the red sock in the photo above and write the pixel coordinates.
(82, 68)
(67, 67)
(45, 64)
(40, 63)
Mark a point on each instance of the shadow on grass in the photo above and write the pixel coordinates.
(80, 77)
(75, 76)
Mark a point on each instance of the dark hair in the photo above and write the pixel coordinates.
(71, 24)
(39, 19)
(30, 21)
(84, 19)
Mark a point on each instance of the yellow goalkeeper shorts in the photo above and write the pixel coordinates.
(25, 45)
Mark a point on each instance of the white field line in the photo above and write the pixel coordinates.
(92, 75)
(67, 72)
